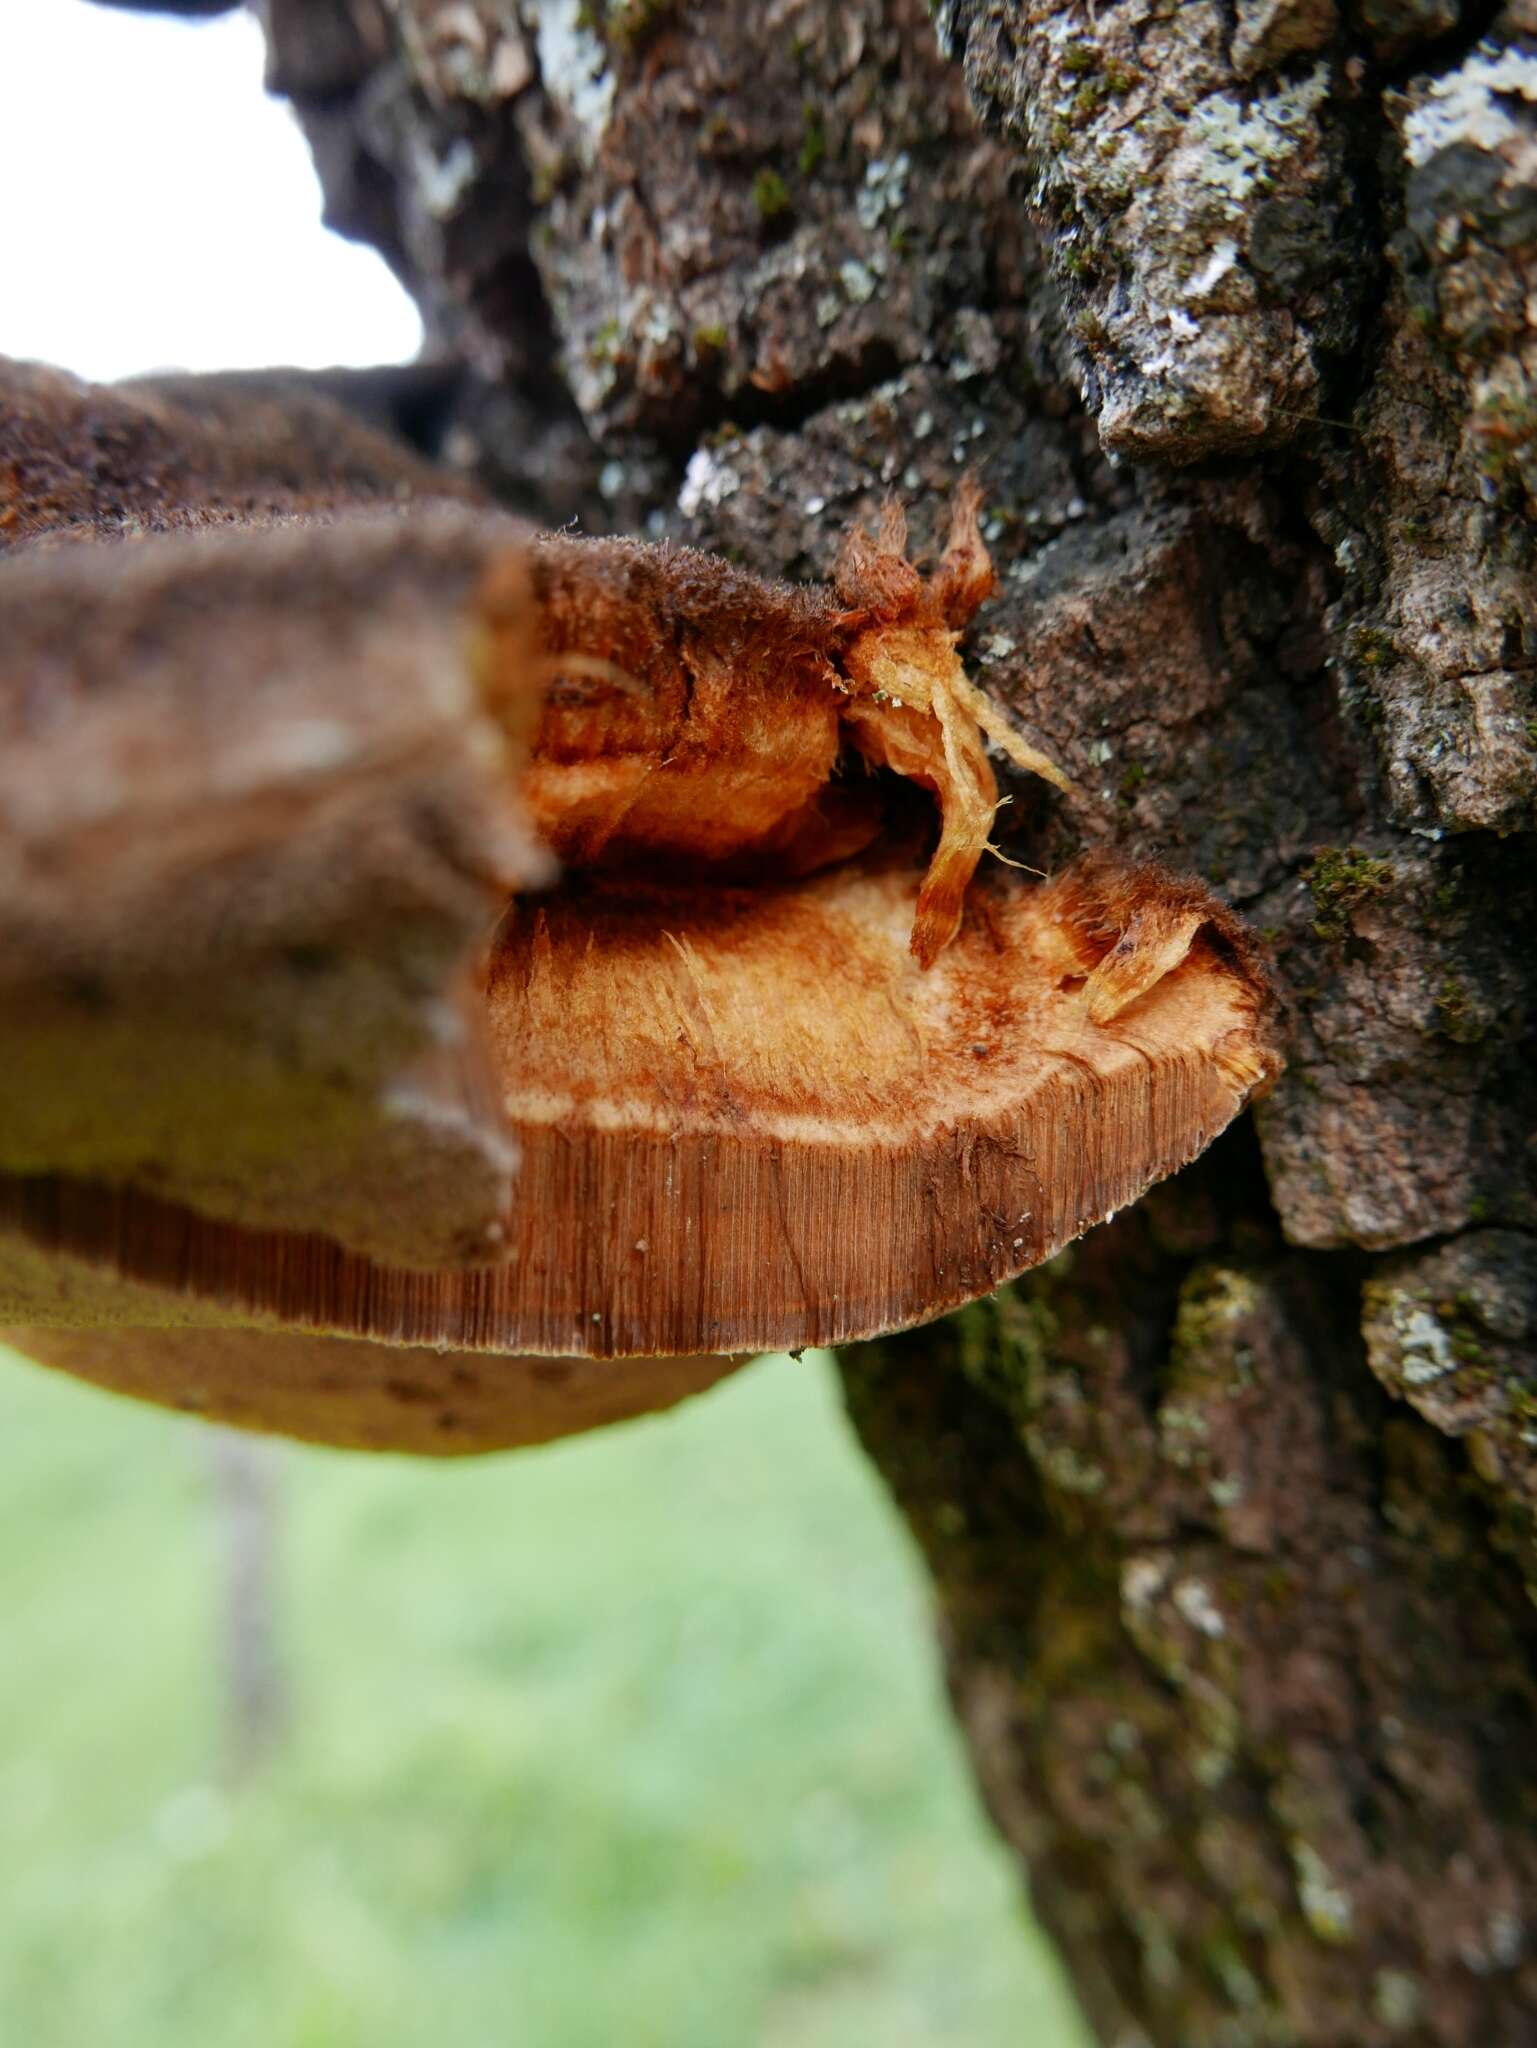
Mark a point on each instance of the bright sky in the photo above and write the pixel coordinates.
(158, 211)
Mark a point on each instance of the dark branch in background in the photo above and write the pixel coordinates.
(244, 1483)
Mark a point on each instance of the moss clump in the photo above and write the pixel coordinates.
(1458, 1015)
(717, 137)
(1504, 429)
(624, 24)
(544, 184)
(1371, 647)
(1005, 1345)
(606, 346)
(1341, 879)
(770, 195)
(813, 139)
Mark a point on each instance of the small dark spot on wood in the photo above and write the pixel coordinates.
(310, 959)
(411, 1392)
(87, 992)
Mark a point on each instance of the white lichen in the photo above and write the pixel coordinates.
(1193, 1600)
(1397, 2000)
(706, 481)
(884, 190)
(1464, 105)
(1424, 1347)
(1234, 149)
(442, 181)
(1142, 1581)
(1213, 270)
(1326, 1906)
(574, 68)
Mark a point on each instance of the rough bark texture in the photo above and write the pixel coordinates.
(1229, 1512)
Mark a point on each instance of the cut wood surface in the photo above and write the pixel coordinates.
(747, 1119)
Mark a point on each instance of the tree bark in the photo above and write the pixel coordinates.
(1233, 307)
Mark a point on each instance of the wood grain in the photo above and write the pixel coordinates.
(748, 1120)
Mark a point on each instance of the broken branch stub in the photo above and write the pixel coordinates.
(773, 1076)
(747, 1120)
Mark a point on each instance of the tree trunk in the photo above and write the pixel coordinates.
(1233, 308)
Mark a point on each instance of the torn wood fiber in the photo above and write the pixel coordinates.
(698, 714)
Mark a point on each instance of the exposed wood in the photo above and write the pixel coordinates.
(702, 713)
(748, 1120)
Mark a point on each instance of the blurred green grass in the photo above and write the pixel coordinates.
(638, 1739)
